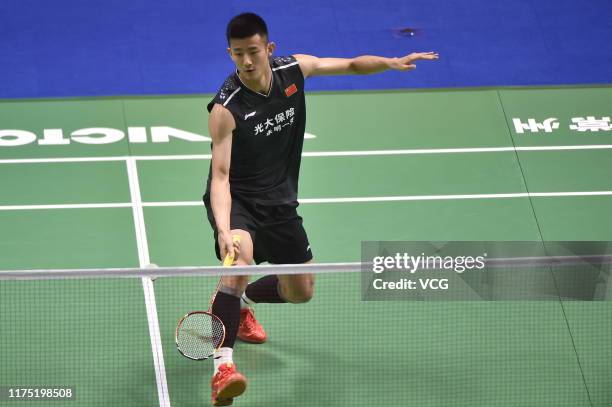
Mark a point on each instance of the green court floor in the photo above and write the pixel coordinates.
(431, 165)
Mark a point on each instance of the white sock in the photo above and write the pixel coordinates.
(222, 356)
(245, 302)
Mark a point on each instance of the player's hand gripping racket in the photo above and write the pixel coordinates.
(200, 333)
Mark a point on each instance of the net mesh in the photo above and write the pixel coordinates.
(95, 335)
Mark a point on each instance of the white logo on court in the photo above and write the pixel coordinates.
(104, 135)
(98, 135)
(590, 123)
(246, 116)
(548, 125)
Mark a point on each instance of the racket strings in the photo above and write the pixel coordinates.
(199, 335)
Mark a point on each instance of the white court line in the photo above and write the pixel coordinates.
(319, 200)
(65, 206)
(409, 198)
(453, 150)
(60, 160)
(453, 197)
(147, 285)
(318, 154)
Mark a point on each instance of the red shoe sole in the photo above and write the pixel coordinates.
(227, 402)
(232, 389)
(247, 340)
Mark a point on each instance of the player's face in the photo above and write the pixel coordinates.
(251, 55)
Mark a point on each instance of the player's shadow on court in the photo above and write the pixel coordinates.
(286, 373)
(254, 359)
(301, 375)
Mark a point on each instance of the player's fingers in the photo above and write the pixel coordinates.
(226, 248)
(224, 252)
(236, 246)
(426, 55)
(222, 249)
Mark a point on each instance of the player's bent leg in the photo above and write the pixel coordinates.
(296, 288)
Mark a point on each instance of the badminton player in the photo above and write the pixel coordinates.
(257, 122)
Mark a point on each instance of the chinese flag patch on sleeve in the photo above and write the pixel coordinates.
(291, 90)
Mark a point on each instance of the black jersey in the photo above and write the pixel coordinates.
(269, 135)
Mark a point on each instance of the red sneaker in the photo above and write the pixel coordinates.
(249, 329)
(226, 385)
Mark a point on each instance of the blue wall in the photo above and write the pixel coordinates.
(112, 47)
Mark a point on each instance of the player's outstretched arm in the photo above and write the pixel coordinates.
(365, 64)
(220, 125)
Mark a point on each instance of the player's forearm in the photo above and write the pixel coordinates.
(367, 64)
(221, 202)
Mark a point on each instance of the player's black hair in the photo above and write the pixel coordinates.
(246, 25)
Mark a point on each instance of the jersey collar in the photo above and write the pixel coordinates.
(245, 87)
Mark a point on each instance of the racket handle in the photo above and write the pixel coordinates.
(229, 259)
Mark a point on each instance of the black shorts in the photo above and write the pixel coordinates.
(276, 231)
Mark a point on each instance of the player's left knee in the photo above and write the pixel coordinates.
(301, 294)
(302, 297)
